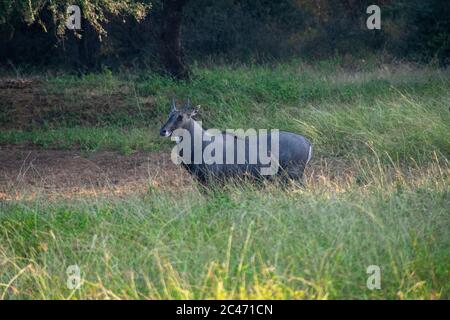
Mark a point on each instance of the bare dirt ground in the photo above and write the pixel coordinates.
(25, 172)
(29, 103)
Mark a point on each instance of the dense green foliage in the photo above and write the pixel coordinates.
(13, 13)
(231, 30)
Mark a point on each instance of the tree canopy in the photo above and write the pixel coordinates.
(95, 12)
(159, 33)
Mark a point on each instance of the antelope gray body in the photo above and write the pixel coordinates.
(294, 151)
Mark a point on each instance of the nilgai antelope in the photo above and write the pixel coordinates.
(215, 154)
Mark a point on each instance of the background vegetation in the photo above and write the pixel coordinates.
(127, 33)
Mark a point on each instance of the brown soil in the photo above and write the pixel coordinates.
(30, 103)
(25, 173)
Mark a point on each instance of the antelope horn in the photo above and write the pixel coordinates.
(174, 105)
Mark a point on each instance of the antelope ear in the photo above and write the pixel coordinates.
(194, 111)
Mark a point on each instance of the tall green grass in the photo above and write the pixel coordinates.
(399, 111)
(376, 193)
(240, 241)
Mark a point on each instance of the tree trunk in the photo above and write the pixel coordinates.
(171, 51)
